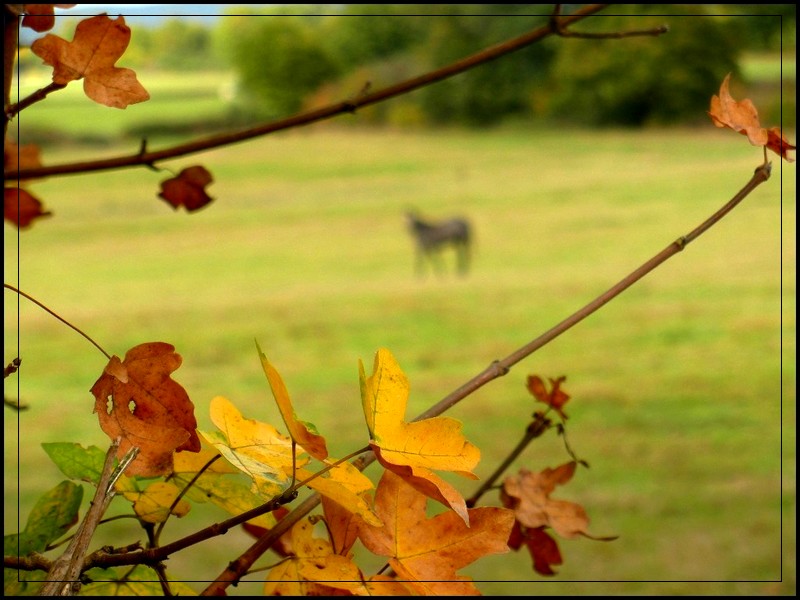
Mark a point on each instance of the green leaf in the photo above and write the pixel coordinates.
(75, 461)
(141, 581)
(54, 514)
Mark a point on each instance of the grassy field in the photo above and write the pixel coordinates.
(683, 389)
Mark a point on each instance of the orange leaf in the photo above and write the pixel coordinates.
(16, 157)
(304, 434)
(743, 118)
(40, 17)
(98, 43)
(427, 553)
(136, 399)
(555, 398)
(187, 189)
(21, 208)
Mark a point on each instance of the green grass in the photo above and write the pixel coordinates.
(683, 393)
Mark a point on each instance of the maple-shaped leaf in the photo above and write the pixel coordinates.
(137, 400)
(41, 17)
(155, 503)
(346, 485)
(219, 484)
(528, 495)
(743, 117)
(187, 189)
(303, 433)
(542, 548)
(427, 553)
(256, 448)
(21, 208)
(413, 450)
(312, 560)
(98, 43)
(555, 398)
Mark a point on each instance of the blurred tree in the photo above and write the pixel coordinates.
(278, 59)
(642, 80)
(183, 44)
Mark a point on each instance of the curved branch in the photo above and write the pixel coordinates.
(349, 106)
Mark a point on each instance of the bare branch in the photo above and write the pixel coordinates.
(149, 158)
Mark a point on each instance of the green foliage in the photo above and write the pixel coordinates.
(279, 60)
(642, 80)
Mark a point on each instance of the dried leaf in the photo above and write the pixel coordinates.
(98, 43)
(136, 399)
(187, 189)
(542, 548)
(21, 208)
(743, 118)
(555, 398)
(40, 17)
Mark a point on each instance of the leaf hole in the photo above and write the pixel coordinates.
(132, 406)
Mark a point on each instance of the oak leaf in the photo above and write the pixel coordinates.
(187, 189)
(155, 503)
(743, 118)
(427, 553)
(413, 450)
(98, 43)
(137, 400)
(303, 433)
(555, 398)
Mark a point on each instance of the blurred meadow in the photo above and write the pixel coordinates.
(682, 389)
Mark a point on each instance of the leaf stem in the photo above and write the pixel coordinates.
(40, 305)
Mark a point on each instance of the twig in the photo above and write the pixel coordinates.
(35, 97)
(497, 369)
(63, 579)
(348, 106)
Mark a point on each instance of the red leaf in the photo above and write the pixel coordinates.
(21, 208)
(542, 547)
(40, 17)
(555, 398)
(187, 189)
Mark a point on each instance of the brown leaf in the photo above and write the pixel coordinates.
(528, 494)
(21, 208)
(187, 189)
(40, 17)
(743, 118)
(555, 398)
(136, 399)
(98, 43)
(16, 157)
(542, 548)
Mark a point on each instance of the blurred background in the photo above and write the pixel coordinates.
(576, 160)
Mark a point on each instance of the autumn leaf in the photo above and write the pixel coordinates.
(743, 118)
(136, 399)
(555, 398)
(155, 503)
(346, 485)
(187, 189)
(303, 433)
(98, 43)
(528, 495)
(312, 560)
(542, 548)
(21, 208)
(412, 450)
(27, 156)
(256, 448)
(128, 582)
(40, 17)
(427, 553)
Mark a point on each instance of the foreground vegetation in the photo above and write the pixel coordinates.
(683, 389)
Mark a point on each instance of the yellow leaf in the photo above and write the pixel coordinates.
(153, 504)
(303, 433)
(413, 450)
(345, 485)
(255, 448)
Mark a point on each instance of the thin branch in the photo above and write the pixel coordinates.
(70, 325)
(35, 97)
(63, 579)
(348, 106)
(498, 368)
